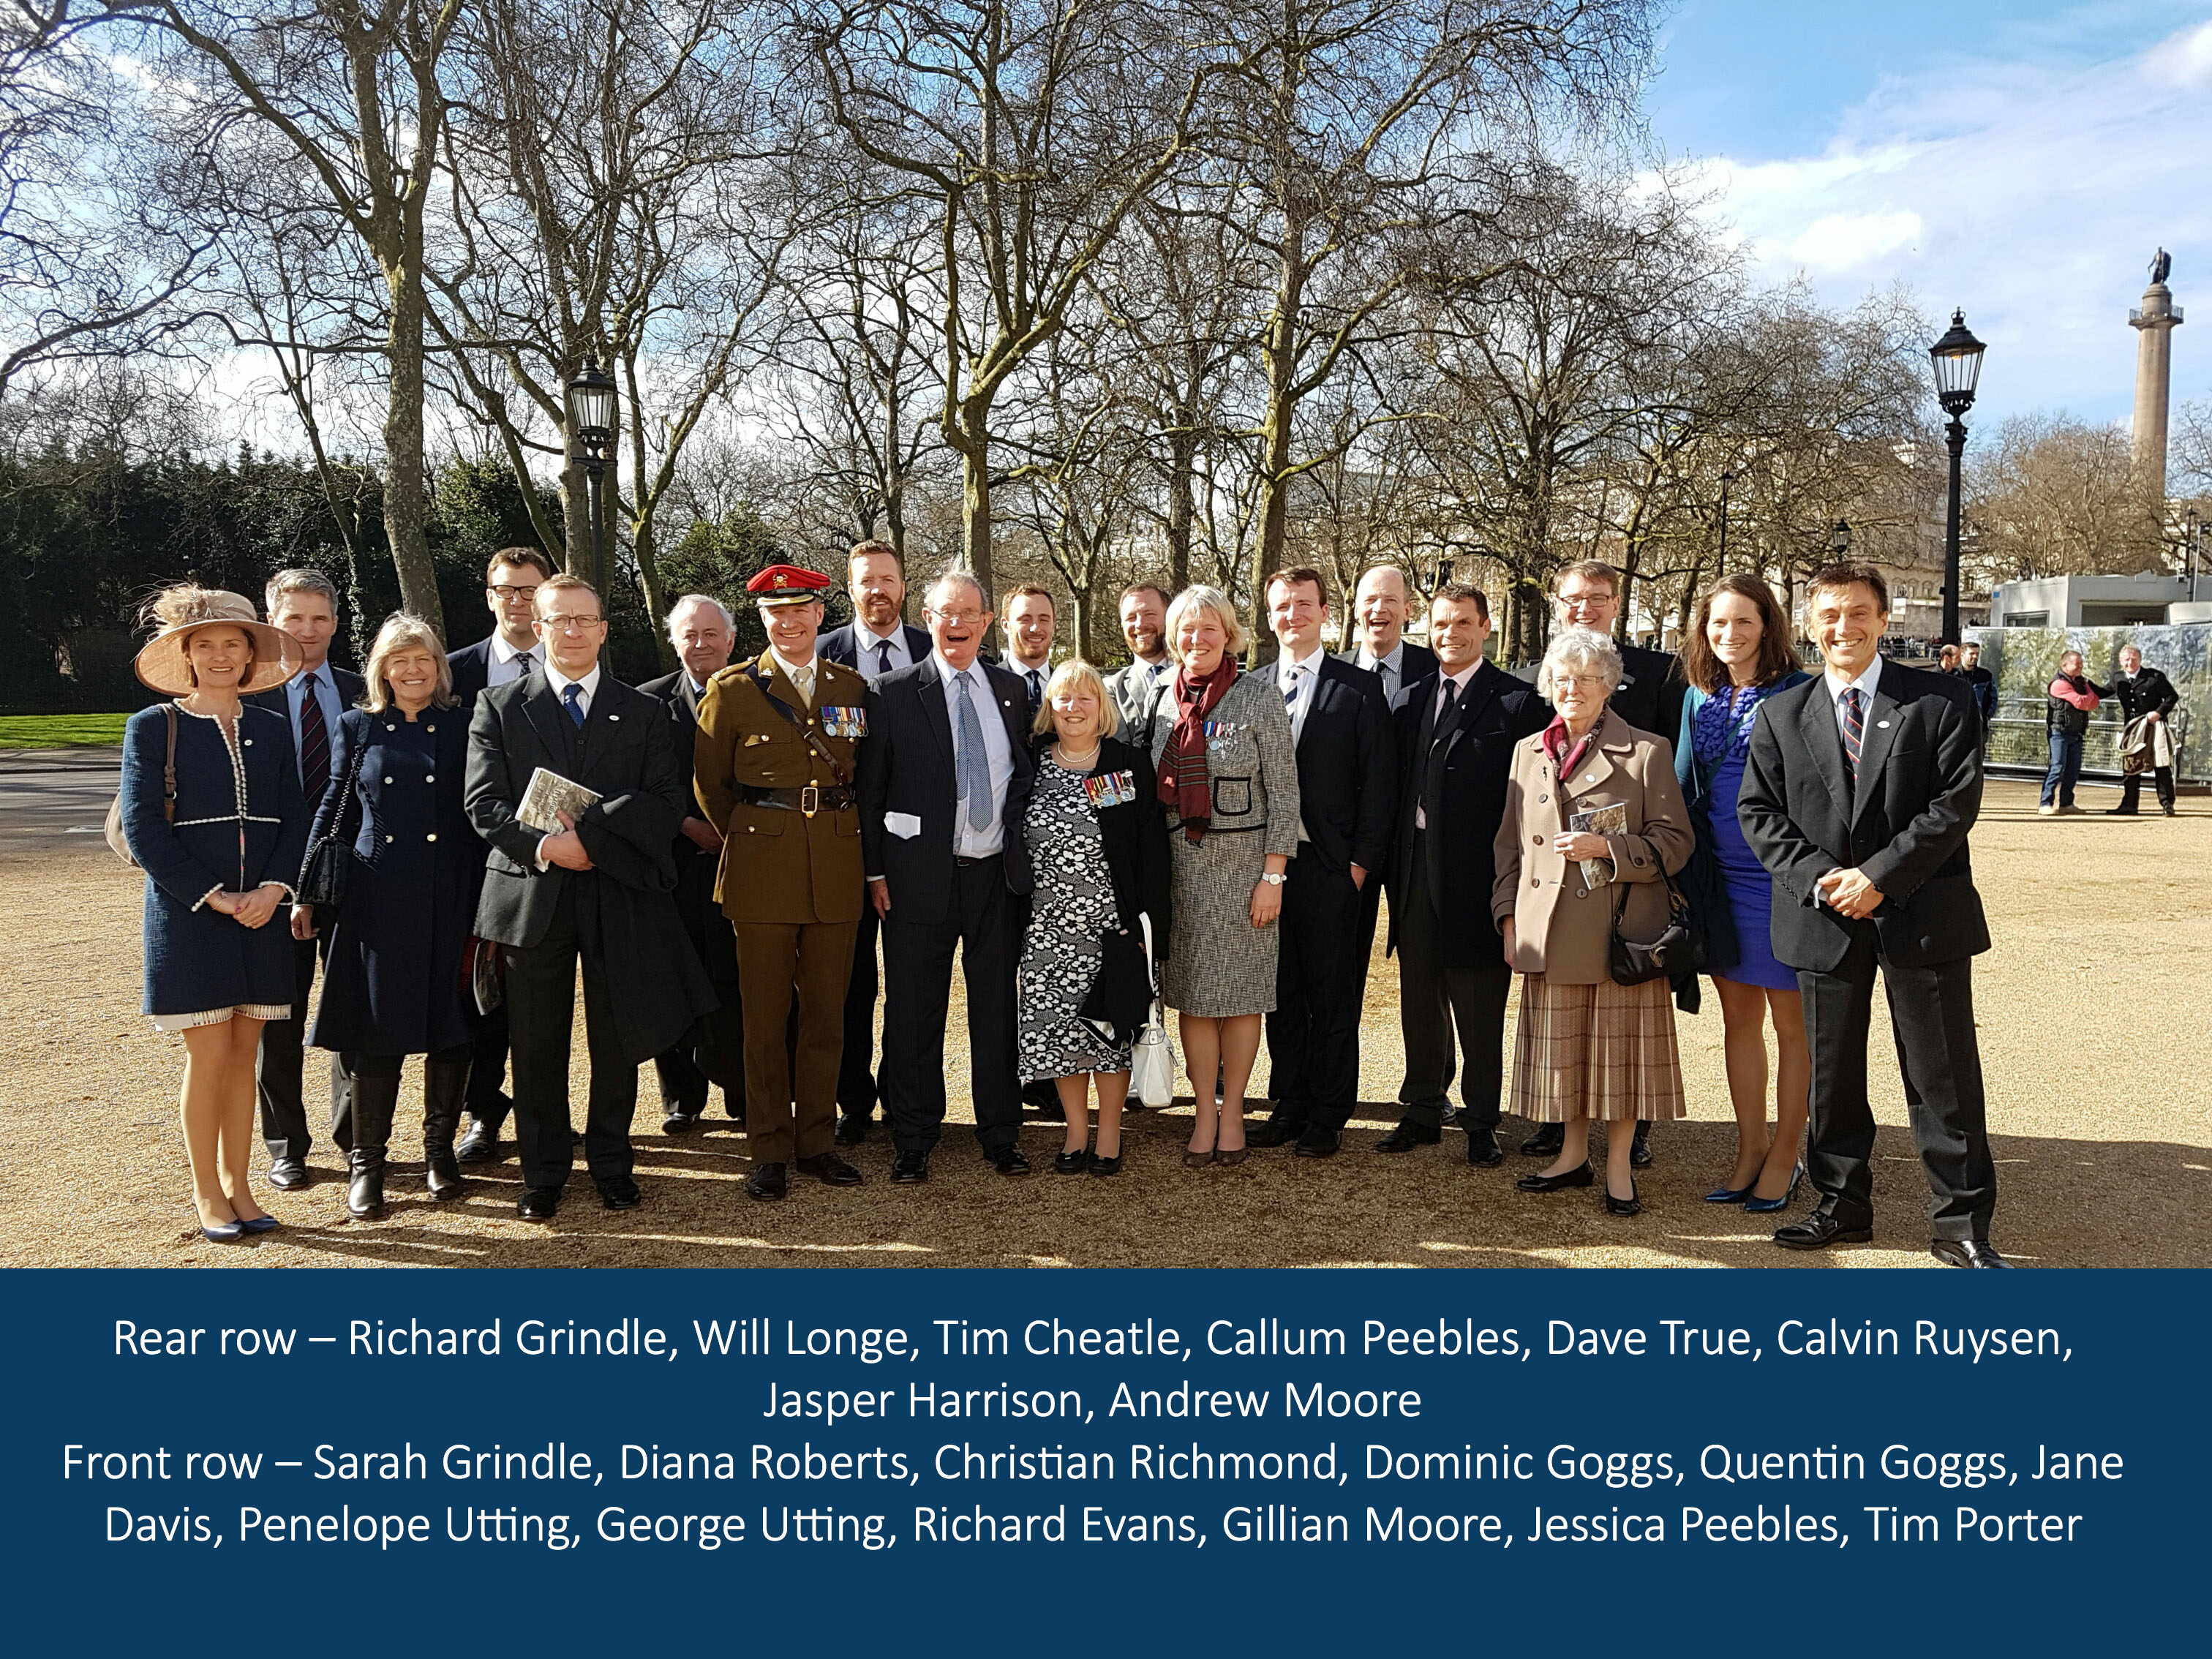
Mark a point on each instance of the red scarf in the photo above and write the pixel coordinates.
(1183, 782)
(1555, 745)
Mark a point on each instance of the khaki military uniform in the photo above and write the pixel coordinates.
(767, 768)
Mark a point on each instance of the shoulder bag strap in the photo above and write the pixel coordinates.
(169, 768)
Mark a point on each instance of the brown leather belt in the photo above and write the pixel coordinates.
(809, 800)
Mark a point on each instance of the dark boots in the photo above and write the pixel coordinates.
(445, 1092)
(373, 1101)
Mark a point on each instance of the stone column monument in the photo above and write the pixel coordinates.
(2153, 322)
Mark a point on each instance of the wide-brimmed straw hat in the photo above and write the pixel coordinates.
(165, 665)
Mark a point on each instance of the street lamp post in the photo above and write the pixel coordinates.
(1728, 477)
(2194, 540)
(590, 397)
(1958, 359)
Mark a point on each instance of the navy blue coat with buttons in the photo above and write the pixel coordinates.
(240, 821)
(392, 983)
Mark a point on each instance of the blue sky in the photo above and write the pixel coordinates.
(2020, 159)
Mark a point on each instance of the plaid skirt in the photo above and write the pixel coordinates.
(1602, 1051)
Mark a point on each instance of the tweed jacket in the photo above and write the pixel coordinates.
(1562, 928)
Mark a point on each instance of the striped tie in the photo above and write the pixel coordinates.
(1854, 727)
(315, 743)
(1291, 693)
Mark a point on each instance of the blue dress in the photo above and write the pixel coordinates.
(392, 983)
(1720, 733)
(240, 821)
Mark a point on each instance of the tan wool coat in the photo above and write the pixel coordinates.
(1562, 930)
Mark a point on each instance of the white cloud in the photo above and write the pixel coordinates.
(2032, 196)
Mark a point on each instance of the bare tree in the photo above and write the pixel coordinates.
(2055, 496)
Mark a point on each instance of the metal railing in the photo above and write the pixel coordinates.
(2020, 740)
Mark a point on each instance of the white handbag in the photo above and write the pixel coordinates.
(1152, 1062)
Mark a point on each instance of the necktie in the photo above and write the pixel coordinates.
(1445, 710)
(883, 656)
(1434, 770)
(1291, 693)
(1854, 727)
(975, 762)
(803, 680)
(573, 695)
(1037, 690)
(314, 743)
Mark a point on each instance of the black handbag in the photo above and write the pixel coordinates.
(329, 860)
(1678, 950)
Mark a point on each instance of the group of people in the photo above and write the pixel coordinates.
(726, 850)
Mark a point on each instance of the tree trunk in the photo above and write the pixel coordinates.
(1084, 606)
(1182, 459)
(580, 558)
(404, 502)
(644, 546)
(976, 512)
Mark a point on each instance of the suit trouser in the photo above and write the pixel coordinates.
(280, 1069)
(1313, 1035)
(857, 1087)
(2131, 789)
(1932, 1012)
(1434, 998)
(791, 1092)
(918, 993)
(487, 1104)
(714, 1050)
(541, 1006)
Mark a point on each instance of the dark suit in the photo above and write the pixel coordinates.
(1415, 663)
(1650, 697)
(2147, 692)
(1348, 803)
(857, 1093)
(643, 984)
(279, 1071)
(908, 765)
(1452, 975)
(1905, 824)
(714, 1051)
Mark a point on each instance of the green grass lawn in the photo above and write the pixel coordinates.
(60, 730)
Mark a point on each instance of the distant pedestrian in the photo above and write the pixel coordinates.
(2147, 703)
(1983, 684)
(2070, 699)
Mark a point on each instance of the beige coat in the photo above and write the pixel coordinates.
(1562, 931)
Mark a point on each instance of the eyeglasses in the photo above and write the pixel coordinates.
(1584, 601)
(571, 625)
(1585, 680)
(508, 591)
(957, 618)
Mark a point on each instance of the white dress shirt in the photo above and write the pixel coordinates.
(867, 646)
(1307, 671)
(1458, 682)
(326, 694)
(506, 662)
(1866, 683)
(1392, 668)
(560, 683)
(969, 842)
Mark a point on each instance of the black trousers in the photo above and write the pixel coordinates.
(279, 1071)
(1313, 1036)
(541, 1007)
(1435, 1000)
(858, 1090)
(917, 994)
(1931, 1010)
(2131, 789)
(712, 1052)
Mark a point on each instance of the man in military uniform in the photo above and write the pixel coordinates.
(773, 770)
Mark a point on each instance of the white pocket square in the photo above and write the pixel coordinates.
(905, 825)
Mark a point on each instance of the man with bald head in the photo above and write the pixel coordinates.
(1380, 606)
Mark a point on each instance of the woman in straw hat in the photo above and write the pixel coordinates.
(220, 848)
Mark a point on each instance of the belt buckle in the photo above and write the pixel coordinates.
(809, 800)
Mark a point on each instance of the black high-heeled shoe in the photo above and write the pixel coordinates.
(1072, 1162)
(1631, 1205)
(1580, 1176)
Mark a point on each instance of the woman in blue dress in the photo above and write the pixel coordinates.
(1737, 654)
(220, 835)
(393, 985)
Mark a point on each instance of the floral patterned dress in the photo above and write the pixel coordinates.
(1071, 910)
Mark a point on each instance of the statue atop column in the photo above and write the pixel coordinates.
(2161, 262)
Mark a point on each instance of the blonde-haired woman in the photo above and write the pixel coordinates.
(392, 983)
(1098, 856)
(1228, 779)
(211, 810)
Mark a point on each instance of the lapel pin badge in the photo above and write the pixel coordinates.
(1884, 725)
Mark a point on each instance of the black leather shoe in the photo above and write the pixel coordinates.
(1317, 1142)
(1819, 1230)
(1008, 1162)
(619, 1193)
(1580, 1176)
(1074, 1163)
(1967, 1252)
(480, 1144)
(1483, 1149)
(538, 1203)
(289, 1175)
(1632, 1204)
(768, 1182)
(829, 1169)
(679, 1123)
(1545, 1141)
(1408, 1135)
(1275, 1132)
(1639, 1150)
(1451, 1117)
(2110, 812)
(852, 1129)
(910, 1169)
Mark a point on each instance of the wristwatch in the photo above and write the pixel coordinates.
(1273, 878)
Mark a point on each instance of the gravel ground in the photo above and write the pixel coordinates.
(2103, 1136)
